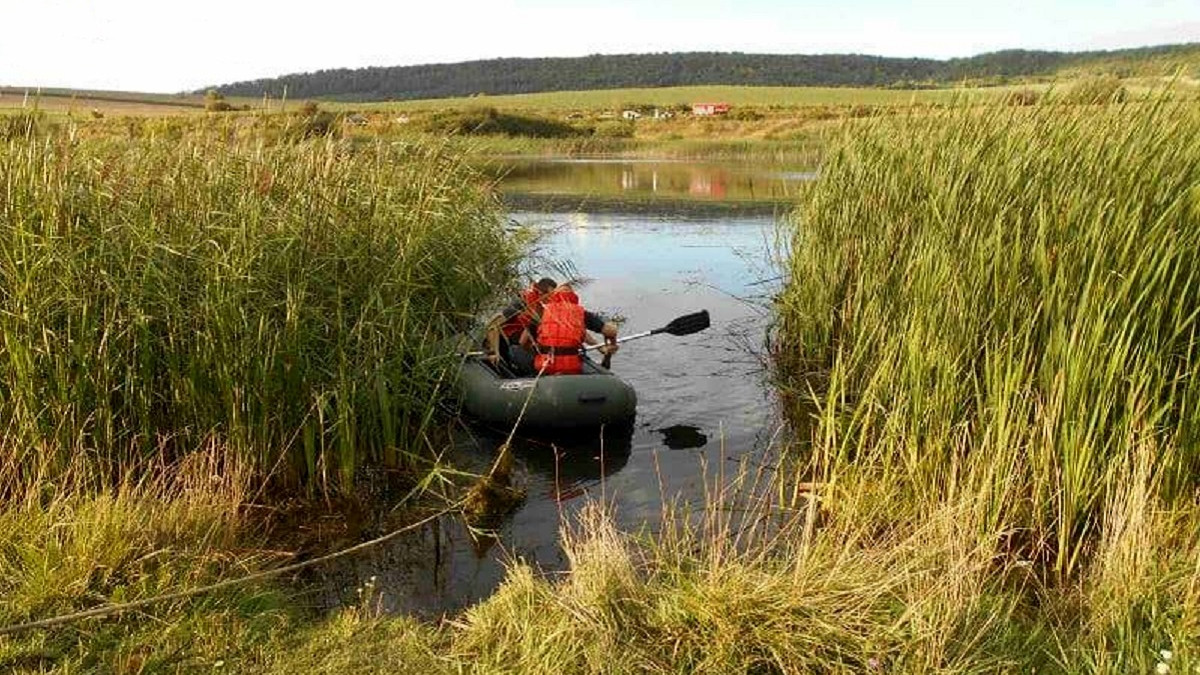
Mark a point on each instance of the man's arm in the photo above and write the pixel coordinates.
(598, 324)
(493, 328)
(493, 337)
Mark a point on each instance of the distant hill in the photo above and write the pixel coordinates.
(522, 76)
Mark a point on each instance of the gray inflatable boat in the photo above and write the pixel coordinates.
(594, 398)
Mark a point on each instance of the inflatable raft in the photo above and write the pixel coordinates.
(594, 398)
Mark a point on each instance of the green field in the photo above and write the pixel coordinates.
(613, 99)
(130, 103)
(1139, 78)
(83, 100)
(669, 96)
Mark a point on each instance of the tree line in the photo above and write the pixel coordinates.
(529, 75)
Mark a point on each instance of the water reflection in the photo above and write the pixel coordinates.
(562, 466)
(641, 179)
(683, 437)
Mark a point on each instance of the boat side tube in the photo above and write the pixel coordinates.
(591, 399)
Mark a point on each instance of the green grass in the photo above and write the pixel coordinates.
(669, 96)
(801, 150)
(998, 310)
(278, 301)
(198, 322)
(69, 545)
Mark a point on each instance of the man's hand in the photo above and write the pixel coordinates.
(608, 348)
(493, 358)
(609, 331)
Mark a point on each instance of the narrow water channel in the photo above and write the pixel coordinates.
(702, 399)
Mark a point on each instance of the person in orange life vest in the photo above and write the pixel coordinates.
(504, 341)
(504, 330)
(560, 332)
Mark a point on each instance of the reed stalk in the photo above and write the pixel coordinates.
(281, 300)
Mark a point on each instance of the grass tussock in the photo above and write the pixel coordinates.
(778, 589)
(72, 545)
(280, 301)
(485, 121)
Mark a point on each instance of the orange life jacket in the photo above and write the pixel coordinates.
(513, 327)
(560, 335)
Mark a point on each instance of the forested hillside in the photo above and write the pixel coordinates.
(518, 76)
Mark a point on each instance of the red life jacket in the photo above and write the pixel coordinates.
(560, 335)
(513, 327)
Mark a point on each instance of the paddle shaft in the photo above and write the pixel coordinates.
(627, 338)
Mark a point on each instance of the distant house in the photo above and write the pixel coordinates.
(630, 114)
(706, 109)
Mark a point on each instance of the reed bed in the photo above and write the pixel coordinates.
(282, 301)
(996, 310)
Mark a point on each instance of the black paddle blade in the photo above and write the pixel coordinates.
(688, 324)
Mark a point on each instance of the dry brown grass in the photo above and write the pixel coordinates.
(83, 106)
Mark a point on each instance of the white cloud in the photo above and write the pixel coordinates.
(1188, 31)
(173, 45)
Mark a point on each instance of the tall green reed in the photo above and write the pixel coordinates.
(1003, 303)
(283, 300)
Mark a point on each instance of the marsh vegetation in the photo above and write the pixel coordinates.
(986, 343)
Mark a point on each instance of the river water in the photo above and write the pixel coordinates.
(653, 241)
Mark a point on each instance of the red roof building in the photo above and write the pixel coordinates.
(710, 108)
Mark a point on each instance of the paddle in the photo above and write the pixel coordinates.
(684, 325)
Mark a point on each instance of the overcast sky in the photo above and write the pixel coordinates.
(178, 45)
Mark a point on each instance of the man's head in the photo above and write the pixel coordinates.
(564, 293)
(544, 287)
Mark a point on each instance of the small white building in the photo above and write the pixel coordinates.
(630, 114)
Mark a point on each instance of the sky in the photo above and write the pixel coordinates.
(184, 45)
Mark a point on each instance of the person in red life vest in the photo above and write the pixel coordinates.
(504, 337)
(560, 332)
(504, 330)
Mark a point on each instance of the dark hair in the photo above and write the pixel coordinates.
(545, 285)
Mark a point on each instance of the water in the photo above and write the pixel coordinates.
(654, 180)
(702, 399)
